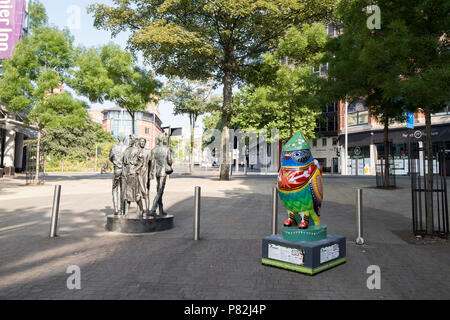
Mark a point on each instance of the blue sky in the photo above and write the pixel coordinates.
(73, 14)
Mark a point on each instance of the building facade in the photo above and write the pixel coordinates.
(147, 124)
(325, 147)
(365, 137)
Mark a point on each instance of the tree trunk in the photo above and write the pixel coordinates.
(38, 155)
(429, 175)
(191, 150)
(226, 112)
(386, 152)
(132, 123)
(291, 130)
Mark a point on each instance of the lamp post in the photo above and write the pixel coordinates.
(346, 138)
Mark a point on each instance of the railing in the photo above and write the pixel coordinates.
(420, 187)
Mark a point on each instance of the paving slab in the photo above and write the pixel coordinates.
(226, 262)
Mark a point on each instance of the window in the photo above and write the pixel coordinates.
(333, 29)
(330, 108)
(324, 142)
(335, 141)
(147, 130)
(332, 124)
(314, 142)
(357, 114)
(321, 68)
(147, 116)
(123, 127)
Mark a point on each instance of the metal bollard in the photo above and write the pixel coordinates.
(197, 213)
(274, 210)
(55, 211)
(359, 218)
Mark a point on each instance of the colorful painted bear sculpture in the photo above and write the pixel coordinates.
(300, 183)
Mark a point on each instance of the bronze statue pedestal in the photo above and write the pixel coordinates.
(146, 224)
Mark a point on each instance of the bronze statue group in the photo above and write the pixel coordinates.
(134, 167)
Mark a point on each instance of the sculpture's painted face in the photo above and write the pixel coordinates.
(296, 158)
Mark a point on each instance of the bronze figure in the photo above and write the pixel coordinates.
(116, 157)
(161, 167)
(144, 174)
(133, 162)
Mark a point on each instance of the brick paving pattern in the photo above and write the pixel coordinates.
(226, 262)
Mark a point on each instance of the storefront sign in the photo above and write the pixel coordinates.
(410, 120)
(11, 24)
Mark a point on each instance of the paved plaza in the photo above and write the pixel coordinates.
(226, 262)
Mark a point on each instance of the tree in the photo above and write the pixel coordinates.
(286, 97)
(38, 66)
(353, 75)
(38, 15)
(110, 73)
(75, 142)
(403, 64)
(420, 32)
(201, 40)
(190, 98)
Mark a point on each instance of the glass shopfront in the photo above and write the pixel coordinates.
(359, 164)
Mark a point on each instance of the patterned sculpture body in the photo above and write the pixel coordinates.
(300, 184)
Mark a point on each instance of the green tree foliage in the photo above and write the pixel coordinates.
(286, 99)
(74, 142)
(38, 15)
(419, 40)
(190, 98)
(353, 75)
(39, 65)
(110, 73)
(201, 40)
(403, 65)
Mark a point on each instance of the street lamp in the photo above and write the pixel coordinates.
(345, 171)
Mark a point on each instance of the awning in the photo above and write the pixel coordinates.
(439, 133)
(17, 127)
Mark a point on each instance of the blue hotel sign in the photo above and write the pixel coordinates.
(410, 120)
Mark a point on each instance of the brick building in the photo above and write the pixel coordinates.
(147, 123)
(366, 138)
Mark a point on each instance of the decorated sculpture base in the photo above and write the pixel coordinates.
(313, 233)
(146, 224)
(308, 257)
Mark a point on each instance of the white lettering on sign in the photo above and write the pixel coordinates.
(329, 253)
(5, 23)
(286, 254)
